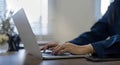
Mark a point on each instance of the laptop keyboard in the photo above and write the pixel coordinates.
(50, 53)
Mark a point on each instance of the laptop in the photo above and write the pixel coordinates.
(28, 38)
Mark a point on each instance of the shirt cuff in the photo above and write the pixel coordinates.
(99, 49)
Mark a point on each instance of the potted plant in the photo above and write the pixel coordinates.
(3, 43)
(6, 28)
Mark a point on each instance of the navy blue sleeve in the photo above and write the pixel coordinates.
(105, 47)
(99, 33)
(102, 48)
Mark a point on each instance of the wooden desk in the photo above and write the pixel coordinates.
(21, 58)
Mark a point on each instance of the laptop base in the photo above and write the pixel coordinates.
(96, 59)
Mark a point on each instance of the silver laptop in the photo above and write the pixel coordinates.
(29, 40)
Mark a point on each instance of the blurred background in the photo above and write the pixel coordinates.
(57, 20)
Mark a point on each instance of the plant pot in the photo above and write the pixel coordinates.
(4, 48)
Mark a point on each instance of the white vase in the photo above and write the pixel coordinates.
(4, 47)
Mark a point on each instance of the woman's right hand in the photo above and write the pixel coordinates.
(50, 46)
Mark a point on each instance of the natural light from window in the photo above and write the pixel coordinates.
(104, 6)
(37, 13)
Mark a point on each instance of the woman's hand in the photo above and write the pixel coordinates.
(72, 48)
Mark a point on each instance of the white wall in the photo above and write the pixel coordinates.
(69, 18)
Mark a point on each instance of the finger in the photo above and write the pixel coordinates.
(49, 45)
(62, 51)
(51, 48)
(44, 48)
(57, 49)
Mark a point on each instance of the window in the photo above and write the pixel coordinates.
(104, 5)
(37, 13)
(100, 8)
(2, 8)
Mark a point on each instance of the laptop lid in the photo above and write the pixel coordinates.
(26, 34)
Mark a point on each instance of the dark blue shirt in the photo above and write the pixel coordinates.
(104, 34)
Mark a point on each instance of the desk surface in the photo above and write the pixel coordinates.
(21, 58)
